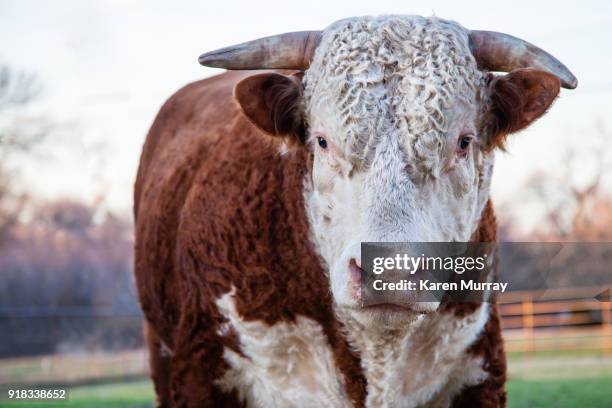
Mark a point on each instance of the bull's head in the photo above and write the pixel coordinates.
(402, 119)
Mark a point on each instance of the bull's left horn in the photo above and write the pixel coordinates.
(502, 52)
(284, 51)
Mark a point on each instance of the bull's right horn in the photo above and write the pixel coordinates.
(502, 52)
(284, 51)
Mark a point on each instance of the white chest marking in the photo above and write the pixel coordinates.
(286, 365)
(292, 365)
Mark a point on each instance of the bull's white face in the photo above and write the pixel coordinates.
(394, 107)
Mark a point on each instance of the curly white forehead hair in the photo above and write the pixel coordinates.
(392, 72)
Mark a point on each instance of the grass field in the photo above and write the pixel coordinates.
(133, 394)
(565, 393)
(547, 381)
(561, 393)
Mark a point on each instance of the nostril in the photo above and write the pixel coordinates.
(355, 269)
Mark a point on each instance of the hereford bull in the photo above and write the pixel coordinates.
(255, 190)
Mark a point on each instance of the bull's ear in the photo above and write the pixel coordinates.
(518, 99)
(273, 103)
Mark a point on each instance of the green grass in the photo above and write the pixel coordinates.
(138, 394)
(532, 393)
(577, 392)
(590, 393)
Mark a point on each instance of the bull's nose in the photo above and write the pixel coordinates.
(355, 270)
(346, 275)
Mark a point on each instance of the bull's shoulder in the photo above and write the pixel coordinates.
(192, 116)
(182, 141)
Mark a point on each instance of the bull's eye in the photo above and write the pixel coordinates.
(322, 142)
(463, 144)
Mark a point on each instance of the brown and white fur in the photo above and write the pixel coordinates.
(253, 194)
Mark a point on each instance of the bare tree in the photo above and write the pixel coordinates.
(18, 134)
(17, 87)
(578, 208)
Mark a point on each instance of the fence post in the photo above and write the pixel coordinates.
(528, 323)
(606, 322)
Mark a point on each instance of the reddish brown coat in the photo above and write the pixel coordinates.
(217, 206)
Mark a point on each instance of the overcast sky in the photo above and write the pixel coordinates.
(107, 66)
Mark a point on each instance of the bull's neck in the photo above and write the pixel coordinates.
(379, 349)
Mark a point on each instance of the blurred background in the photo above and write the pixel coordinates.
(80, 83)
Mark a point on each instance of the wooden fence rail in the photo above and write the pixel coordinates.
(560, 319)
